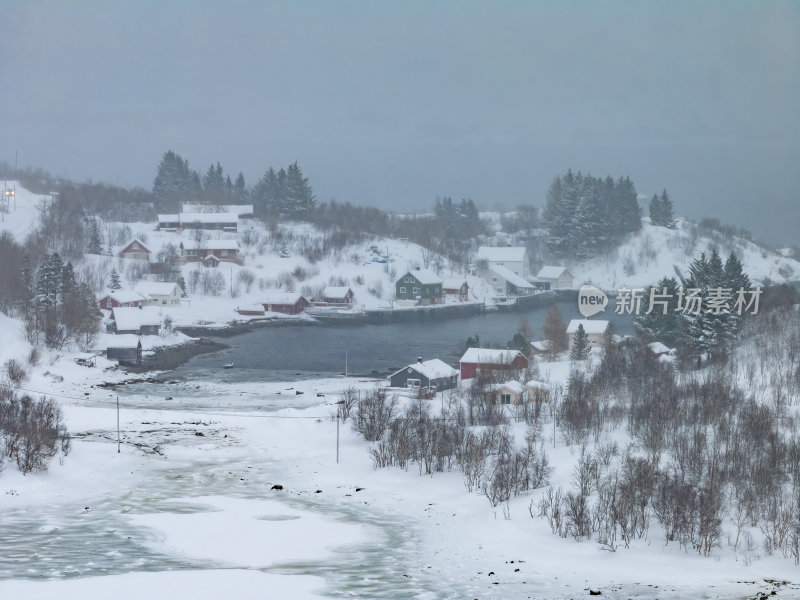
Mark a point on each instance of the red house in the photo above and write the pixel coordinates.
(288, 303)
(458, 288)
(476, 360)
(135, 249)
(210, 252)
(118, 298)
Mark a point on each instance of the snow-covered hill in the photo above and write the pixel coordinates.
(22, 214)
(655, 252)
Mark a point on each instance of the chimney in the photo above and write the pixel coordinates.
(419, 359)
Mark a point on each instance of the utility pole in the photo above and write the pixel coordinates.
(118, 438)
(338, 415)
(345, 363)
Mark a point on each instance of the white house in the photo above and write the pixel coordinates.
(507, 283)
(136, 320)
(510, 392)
(559, 278)
(514, 258)
(595, 331)
(161, 293)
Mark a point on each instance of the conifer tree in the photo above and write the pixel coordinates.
(95, 245)
(182, 285)
(667, 211)
(114, 283)
(580, 345)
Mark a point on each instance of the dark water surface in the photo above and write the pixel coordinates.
(321, 350)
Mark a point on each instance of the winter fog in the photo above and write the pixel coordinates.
(393, 104)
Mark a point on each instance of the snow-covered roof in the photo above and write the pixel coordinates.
(235, 209)
(281, 297)
(126, 340)
(454, 284)
(502, 253)
(210, 245)
(135, 240)
(333, 291)
(131, 318)
(425, 277)
(200, 217)
(541, 345)
(550, 272)
(490, 356)
(589, 326)
(659, 348)
(123, 296)
(155, 288)
(514, 386)
(432, 369)
(511, 277)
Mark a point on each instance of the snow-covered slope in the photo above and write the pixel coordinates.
(23, 211)
(655, 252)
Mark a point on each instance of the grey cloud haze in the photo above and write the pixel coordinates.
(393, 103)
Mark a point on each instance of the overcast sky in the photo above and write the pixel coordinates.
(392, 104)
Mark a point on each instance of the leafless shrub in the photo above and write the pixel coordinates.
(246, 277)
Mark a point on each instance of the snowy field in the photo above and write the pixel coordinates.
(189, 504)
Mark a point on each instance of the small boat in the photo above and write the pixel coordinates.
(227, 365)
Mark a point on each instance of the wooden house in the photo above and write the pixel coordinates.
(287, 303)
(135, 249)
(159, 293)
(507, 283)
(458, 288)
(420, 285)
(510, 392)
(514, 258)
(432, 374)
(251, 311)
(210, 252)
(477, 360)
(596, 331)
(137, 321)
(125, 349)
(222, 221)
(338, 295)
(116, 298)
(559, 278)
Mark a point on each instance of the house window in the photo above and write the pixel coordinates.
(415, 290)
(402, 290)
(505, 398)
(406, 280)
(108, 303)
(163, 302)
(494, 279)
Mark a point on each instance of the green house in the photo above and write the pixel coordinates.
(420, 285)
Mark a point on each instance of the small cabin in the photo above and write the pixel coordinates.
(458, 288)
(117, 298)
(287, 303)
(559, 278)
(126, 350)
(510, 392)
(596, 331)
(338, 295)
(431, 374)
(137, 321)
(477, 360)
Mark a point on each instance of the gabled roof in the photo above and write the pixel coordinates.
(282, 297)
(126, 340)
(131, 318)
(155, 288)
(424, 276)
(589, 326)
(502, 253)
(336, 291)
(432, 369)
(210, 245)
(512, 277)
(549, 272)
(136, 240)
(124, 296)
(490, 356)
(514, 386)
(454, 284)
